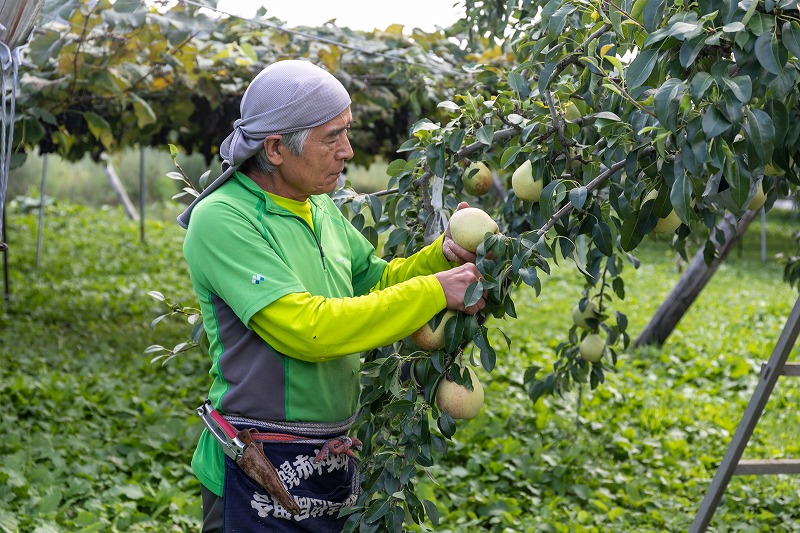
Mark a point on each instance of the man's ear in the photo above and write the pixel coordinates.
(272, 145)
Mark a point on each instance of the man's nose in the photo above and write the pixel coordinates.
(345, 150)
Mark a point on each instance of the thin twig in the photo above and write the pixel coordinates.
(610, 171)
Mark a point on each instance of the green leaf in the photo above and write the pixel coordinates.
(690, 49)
(761, 134)
(519, 84)
(631, 234)
(767, 52)
(509, 156)
(435, 156)
(666, 102)
(446, 424)
(558, 20)
(396, 168)
(431, 511)
(50, 502)
(485, 135)
(701, 82)
(144, 113)
(552, 195)
(733, 27)
(790, 36)
(457, 140)
(685, 30)
(578, 196)
(377, 509)
(545, 75)
(488, 354)
(714, 123)
(99, 128)
(681, 194)
(741, 86)
(601, 236)
(750, 7)
(738, 181)
(473, 294)
(640, 68)
(607, 115)
(652, 15)
(375, 207)
(449, 106)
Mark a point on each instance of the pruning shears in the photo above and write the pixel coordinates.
(222, 430)
(248, 454)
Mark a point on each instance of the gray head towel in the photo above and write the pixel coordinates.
(286, 96)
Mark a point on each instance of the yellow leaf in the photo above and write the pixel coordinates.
(330, 57)
(604, 50)
(159, 84)
(395, 29)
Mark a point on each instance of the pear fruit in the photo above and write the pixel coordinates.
(525, 186)
(431, 339)
(579, 317)
(457, 400)
(468, 227)
(669, 223)
(477, 179)
(759, 199)
(591, 347)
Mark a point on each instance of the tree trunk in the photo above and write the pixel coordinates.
(693, 281)
(116, 184)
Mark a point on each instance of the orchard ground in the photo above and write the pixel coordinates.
(99, 439)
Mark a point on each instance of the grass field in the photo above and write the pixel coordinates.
(96, 438)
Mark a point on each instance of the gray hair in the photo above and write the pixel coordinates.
(294, 142)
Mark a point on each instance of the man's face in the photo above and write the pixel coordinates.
(317, 170)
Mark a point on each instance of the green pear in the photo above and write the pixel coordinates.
(759, 199)
(669, 223)
(430, 339)
(457, 400)
(477, 179)
(468, 227)
(579, 317)
(591, 347)
(525, 186)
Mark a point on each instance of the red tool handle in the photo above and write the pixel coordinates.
(226, 426)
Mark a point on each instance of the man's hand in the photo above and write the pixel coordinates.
(452, 251)
(455, 283)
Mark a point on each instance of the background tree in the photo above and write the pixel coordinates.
(103, 77)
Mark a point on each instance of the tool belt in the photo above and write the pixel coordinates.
(243, 444)
(332, 437)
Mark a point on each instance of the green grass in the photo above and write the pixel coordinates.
(96, 438)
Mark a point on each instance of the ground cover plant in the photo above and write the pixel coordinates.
(98, 438)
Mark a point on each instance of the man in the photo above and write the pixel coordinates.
(290, 294)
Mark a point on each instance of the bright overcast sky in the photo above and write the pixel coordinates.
(355, 14)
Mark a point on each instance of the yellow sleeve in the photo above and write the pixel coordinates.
(316, 329)
(428, 260)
